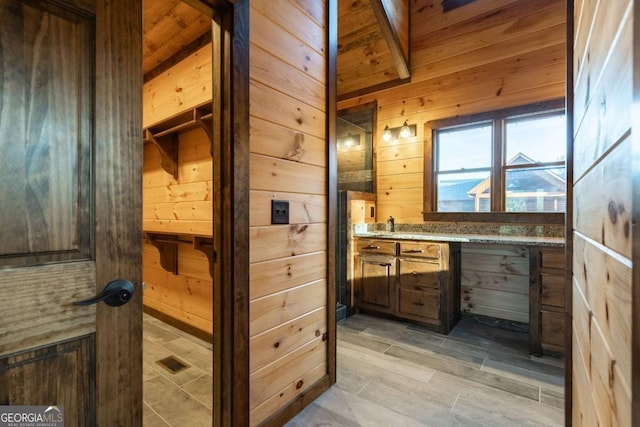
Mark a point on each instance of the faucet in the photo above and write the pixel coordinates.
(391, 226)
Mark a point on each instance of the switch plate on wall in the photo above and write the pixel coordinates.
(279, 212)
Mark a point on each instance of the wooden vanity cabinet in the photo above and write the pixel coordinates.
(428, 283)
(419, 283)
(547, 300)
(375, 275)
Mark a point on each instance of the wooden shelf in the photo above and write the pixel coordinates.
(167, 244)
(164, 135)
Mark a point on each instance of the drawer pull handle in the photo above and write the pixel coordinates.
(372, 247)
(418, 303)
(415, 273)
(384, 264)
(413, 251)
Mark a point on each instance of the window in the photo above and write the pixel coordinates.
(505, 161)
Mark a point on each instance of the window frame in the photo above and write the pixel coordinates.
(498, 118)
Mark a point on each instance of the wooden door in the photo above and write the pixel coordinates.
(70, 206)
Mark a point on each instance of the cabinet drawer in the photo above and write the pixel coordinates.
(552, 290)
(420, 249)
(419, 275)
(552, 259)
(419, 304)
(369, 246)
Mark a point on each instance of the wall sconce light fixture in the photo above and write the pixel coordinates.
(349, 141)
(403, 132)
(386, 134)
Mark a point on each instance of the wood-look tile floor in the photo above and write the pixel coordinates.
(183, 398)
(396, 374)
(389, 374)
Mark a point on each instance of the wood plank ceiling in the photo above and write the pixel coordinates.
(372, 40)
(170, 28)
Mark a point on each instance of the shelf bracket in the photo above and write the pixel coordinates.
(205, 245)
(167, 245)
(207, 125)
(167, 145)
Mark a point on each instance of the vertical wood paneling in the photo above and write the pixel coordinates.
(288, 144)
(602, 267)
(480, 57)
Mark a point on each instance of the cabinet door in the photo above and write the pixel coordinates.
(376, 283)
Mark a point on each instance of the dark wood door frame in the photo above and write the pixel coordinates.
(635, 197)
(568, 233)
(230, 270)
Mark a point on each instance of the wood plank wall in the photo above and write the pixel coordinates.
(480, 57)
(288, 144)
(495, 281)
(182, 205)
(602, 266)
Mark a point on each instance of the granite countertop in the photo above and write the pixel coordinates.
(466, 238)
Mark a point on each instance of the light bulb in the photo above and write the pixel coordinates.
(405, 131)
(386, 134)
(348, 141)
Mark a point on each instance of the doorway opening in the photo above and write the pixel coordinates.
(178, 193)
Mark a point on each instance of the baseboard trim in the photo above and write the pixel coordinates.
(192, 330)
(303, 400)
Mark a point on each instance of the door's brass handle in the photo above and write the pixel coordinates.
(116, 293)
(371, 247)
(413, 251)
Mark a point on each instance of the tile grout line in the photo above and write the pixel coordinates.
(156, 412)
(455, 402)
(363, 387)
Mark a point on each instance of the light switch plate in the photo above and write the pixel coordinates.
(279, 212)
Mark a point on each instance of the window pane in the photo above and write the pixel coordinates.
(464, 192)
(531, 140)
(536, 190)
(465, 148)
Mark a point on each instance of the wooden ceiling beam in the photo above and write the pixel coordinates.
(390, 35)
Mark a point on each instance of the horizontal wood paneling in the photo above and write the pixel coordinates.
(602, 208)
(275, 343)
(602, 268)
(605, 105)
(273, 140)
(287, 394)
(480, 57)
(274, 310)
(590, 59)
(304, 208)
(271, 379)
(288, 144)
(186, 296)
(272, 276)
(605, 281)
(275, 39)
(295, 21)
(282, 241)
(185, 85)
(270, 174)
(495, 281)
(182, 205)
